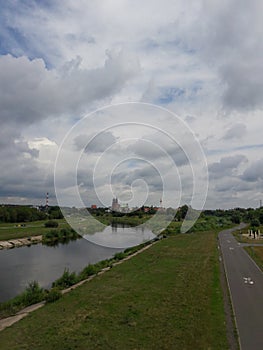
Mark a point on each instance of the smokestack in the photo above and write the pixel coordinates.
(47, 201)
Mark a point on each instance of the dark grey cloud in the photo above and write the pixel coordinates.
(236, 131)
(226, 166)
(254, 172)
(148, 173)
(22, 176)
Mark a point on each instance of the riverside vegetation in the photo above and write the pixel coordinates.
(58, 234)
(167, 297)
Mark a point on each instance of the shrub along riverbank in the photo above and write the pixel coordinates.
(64, 234)
(167, 297)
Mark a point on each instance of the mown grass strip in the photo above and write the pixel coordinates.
(256, 253)
(168, 297)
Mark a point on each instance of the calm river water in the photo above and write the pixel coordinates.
(19, 266)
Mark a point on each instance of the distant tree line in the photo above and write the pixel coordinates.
(23, 213)
(250, 215)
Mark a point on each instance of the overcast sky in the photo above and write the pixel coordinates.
(199, 62)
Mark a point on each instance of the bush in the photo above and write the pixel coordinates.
(33, 294)
(88, 271)
(53, 295)
(51, 223)
(66, 280)
(119, 256)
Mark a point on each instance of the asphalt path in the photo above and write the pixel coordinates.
(245, 281)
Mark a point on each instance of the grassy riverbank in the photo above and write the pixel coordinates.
(21, 230)
(167, 297)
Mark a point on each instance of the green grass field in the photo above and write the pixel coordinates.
(256, 253)
(168, 297)
(34, 228)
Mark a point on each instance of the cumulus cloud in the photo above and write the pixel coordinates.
(30, 92)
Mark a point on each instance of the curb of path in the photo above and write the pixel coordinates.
(228, 285)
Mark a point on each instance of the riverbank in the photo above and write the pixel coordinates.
(27, 241)
(9, 321)
(18, 231)
(163, 298)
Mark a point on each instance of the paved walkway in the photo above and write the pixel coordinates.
(7, 322)
(245, 281)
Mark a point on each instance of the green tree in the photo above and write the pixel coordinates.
(235, 218)
(255, 223)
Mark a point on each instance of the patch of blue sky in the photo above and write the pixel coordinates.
(132, 163)
(196, 87)
(12, 39)
(169, 94)
(45, 3)
(247, 147)
(13, 42)
(212, 152)
(149, 44)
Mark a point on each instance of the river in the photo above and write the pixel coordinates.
(44, 264)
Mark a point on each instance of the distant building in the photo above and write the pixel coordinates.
(93, 206)
(115, 205)
(125, 208)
